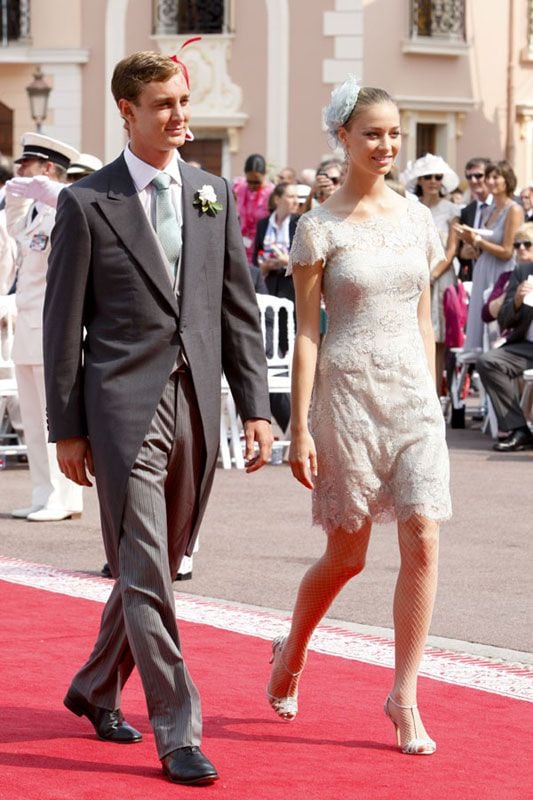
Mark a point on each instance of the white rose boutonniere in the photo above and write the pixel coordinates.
(205, 200)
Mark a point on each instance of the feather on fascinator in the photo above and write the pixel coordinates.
(189, 137)
(341, 105)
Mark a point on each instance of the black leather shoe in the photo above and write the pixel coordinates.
(105, 572)
(183, 576)
(110, 726)
(520, 439)
(189, 766)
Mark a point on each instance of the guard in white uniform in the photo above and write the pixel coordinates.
(30, 222)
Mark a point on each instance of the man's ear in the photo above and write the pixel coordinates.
(125, 108)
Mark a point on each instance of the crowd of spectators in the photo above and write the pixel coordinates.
(480, 219)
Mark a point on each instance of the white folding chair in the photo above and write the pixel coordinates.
(279, 363)
(279, 339)
(464, 360)
(230, 431)
(526, 399)
(8, 387)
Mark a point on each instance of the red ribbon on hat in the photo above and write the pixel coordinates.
(180, 62)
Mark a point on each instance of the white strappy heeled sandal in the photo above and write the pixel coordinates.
(418, 745)
(285, 707)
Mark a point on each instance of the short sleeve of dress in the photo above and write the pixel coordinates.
(434, 249)
(310, 243)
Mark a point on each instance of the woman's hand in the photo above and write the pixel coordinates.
(302, 458)
(495, 305)
(523, 289)
(466, 234)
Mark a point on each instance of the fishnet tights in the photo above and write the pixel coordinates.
(344, 557)
(413, 606)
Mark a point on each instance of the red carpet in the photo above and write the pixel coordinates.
(341, 745)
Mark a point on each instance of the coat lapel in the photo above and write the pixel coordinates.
(124, 212)
(194, 238)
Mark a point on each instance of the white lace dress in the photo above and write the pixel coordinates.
(375, 416)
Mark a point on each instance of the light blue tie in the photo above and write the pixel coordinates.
(166, 224)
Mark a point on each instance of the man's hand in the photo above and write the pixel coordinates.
(323, 187)
(523, 288)
(40, 187)
(260, 431)
(75, 459)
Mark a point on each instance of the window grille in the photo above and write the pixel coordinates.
(14, 21)
(189, 16)
(443, 19)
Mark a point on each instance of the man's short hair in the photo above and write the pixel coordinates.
(478, 162)
(134, 72)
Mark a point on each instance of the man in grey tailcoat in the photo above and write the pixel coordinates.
(147, 258)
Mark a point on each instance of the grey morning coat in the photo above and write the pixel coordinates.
(107, 275)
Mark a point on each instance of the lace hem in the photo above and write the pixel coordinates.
(431, 512)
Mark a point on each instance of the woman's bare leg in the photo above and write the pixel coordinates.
(413, 607)
(344, 557)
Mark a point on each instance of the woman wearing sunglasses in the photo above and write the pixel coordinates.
(431, 178)
(495, 245)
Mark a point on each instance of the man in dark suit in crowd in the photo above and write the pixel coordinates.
(147, 257)
(499, 368)
(474, 213)
(526, 199)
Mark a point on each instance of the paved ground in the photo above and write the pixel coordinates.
(257, 541)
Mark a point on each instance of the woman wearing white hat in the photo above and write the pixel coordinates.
(430, 178)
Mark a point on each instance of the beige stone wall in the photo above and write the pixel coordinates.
(320, 51)
(247, 67)
(308, 93)
(14, 77)
(94, 84)
(480, 75)
(56, 23)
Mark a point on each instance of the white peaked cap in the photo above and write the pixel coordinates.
(36, 145)
(84, 163)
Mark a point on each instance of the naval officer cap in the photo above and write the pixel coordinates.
(36, 145)
(85, 163)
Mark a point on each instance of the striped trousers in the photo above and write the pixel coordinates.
(138, 626)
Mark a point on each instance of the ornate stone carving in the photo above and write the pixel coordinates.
(213, 93)
(25, 20)
(165, 17)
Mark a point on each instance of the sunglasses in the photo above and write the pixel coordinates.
(334, 179)
(477, 175)
(521, 243)
(432, 177)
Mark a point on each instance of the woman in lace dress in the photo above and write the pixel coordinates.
(375, 449)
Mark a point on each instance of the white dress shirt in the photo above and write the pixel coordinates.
(481, 213)
(142, 175)
(277, 234)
